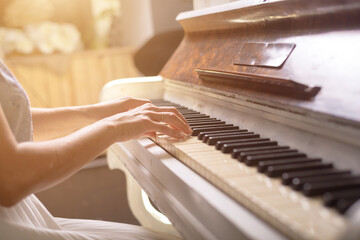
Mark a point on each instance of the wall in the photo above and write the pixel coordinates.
(142, 19)
(164, 13)
(136, 21)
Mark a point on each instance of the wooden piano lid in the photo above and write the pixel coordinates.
(312, 46)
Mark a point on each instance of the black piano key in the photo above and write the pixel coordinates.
(197, 131)
(312, 189)
(219, 145)
(287, 177)
(276, 171)
(330, 198)
(232, 133)
(237, 151)
(242, 156)
(254, 160)
(165, 103)
(227, 148)
(202, 134)
(194, 116)
(187, 111)
(263, 165)
(189, 114)
(184, 109)
(199, 120)
(213, 126)
(240, 132)
(196, 124)
(297, 183)
(342, 205)
(178, 107)
(214, 139)
(210, 120)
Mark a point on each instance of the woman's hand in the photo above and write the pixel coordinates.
(118, 105)
(148, 119)
(57, 122)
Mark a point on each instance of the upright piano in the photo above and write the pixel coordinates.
(271, 89)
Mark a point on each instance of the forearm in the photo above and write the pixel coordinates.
(30, 167)
(57, 122)
(44, 164)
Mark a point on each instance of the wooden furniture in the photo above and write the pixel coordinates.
(286, 70)
(71, 79)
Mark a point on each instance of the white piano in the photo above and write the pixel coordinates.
(287, 72)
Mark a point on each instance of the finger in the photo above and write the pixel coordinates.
(151, 135)
(172, 119)
(176, 122)
(174, 127)
(166, 109)
(174, 111)
(164, 129)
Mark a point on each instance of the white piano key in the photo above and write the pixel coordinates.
(289, 211)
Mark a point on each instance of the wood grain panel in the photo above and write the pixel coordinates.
(326, 35)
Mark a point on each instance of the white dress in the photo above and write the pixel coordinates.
(29, 219)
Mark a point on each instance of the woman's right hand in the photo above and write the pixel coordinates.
(148, 119)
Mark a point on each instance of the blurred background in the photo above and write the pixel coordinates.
(64, 51)
(57, 47)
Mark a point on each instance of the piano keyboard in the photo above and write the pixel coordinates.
(302, 196)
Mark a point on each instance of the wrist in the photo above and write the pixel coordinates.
(102, 110)
(112, 127)
(92, 112)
